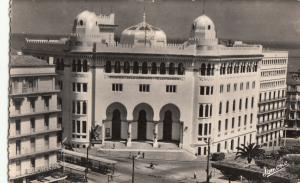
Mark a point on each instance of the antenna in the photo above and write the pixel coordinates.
(144, 24)
(203, 7)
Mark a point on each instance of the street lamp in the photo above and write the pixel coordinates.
(133, 164)
(208, 156)
(284, 142)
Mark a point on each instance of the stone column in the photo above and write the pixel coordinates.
(129, 135)
(181, 134)
(103, 133)
(155, 134)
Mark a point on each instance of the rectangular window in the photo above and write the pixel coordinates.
(46, 102)
(18, 147)
(219, 126)
(247, 86)
(32, 124)
(117, 87)
(234, 87)
(232, 123)
(251, 118)
(18, 126)
(78, 107)
(83, 126)
(228, 87)
(171, 88)
(32, 104)
(46, 121)
(221, 88)
(144, 88)
(46, 138)
(202, 90)
(253, 84)
(78, 87)
(226, 124)
(84, 87)
(32, 162)
(73, 126)
(73, 107)
(74, 87)
(200, 129)
(241, 86)
(239, 122)
(205, 129)
(78, 126)
(245, 120)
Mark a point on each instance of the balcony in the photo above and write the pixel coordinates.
(269, 131)
(17, 113)
(34, 132)
(271, 110)
(33, 171)
(30, 154)
(270, 121)
(31, 90)
(272, 100)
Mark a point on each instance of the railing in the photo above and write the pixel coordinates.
(33, 131)
(31, 171)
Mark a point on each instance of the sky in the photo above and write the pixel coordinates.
(264, 20)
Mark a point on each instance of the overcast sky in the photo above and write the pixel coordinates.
(265, 20)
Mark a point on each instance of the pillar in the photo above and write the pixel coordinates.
(155, 135)
(181, 135)
(129, 135)
(103, 133)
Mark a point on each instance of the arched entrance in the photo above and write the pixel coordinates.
(170, 118)
(167, 127)
(142, 125)
(116, 125)
(116, 116)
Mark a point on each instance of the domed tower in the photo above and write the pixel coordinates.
(203, 32)
(144, 34)
(89, 28)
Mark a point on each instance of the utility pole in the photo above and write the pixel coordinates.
(133, 157)
(208, 156)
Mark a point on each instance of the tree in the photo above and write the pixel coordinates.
(250, 152)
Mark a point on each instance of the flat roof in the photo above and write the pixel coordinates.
(27, 61)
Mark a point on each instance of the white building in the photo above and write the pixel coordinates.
(146, 89)
(34, 122)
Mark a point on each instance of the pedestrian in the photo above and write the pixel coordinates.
(143, 155)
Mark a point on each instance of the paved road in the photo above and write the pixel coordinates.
(164, 171)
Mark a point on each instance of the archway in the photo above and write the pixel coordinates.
(167, 127)
(116, 113)
(116, 125)
(142, 125)
(170, 116)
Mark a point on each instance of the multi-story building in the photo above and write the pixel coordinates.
(293, 103)
(272, 98)
(143, 88)
(34, 119)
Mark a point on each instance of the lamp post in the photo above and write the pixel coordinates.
(284, 142)
(208, 156)
(133, 166)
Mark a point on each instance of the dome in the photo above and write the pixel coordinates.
(143, 34)
(203, 31)
(86, 20)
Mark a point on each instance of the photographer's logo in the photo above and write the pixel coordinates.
(269, 172)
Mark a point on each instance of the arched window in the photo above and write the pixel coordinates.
(206, 110)
(233, 105)
(84, 107)
(74, 66)
(79, 66)
(202, 69)
(126, 67)
(144, 68)
(220, 108)
(162, 68)
(135, 67)
(85, 66)
(108, 67)
(227, 106)
(201, 110)
(208, 70)
(180, 70)
(171, 69)
(117, 67)
(153, 68)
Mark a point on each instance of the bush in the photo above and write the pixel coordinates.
(269, 163)
(218, 156)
